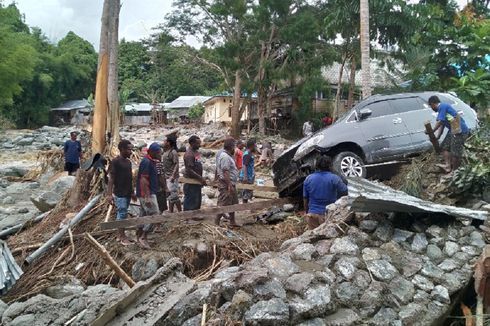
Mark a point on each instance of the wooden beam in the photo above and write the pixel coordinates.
(102, 251)
(433, 139)
(189, 215)
(239, 186)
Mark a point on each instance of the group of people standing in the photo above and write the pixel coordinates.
(157, 181)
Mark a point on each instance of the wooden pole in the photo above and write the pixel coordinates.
(190, 215)
(239, 186)
(432, 137)
(108, 215)
(104, 254)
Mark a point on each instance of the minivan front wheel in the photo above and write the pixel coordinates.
(349, 165)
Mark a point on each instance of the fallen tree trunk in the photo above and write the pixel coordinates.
(239, 186)
(189, 215)
(432, 137)
(58, 236)
(104, 254)
(15, 228)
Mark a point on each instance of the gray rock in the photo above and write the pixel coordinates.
(381, 269)
(271, 312)
(462, 257)
(63, 184)
(362, 279)
(434, 253)
(194, 321)
(239, 304)
(8, 200)
(304, 251)
(370, 254)
(401, 289)
(449, 265)
(435, 231)
(326, 260)
(421, 297)
(323, 247)
(24, 320)
(270, 289)
(281, 266)
(288, 208)
(372, 298)
(368, 225)
(400, 235)
(144, 268)
(476, 239)
(25, 141)
(8, 145)
(347, 293)
(316, 302)
(297, 283)
(3, 307)
(419, 243)
(46, 201)
(472, 251)
(422, 283)
(345, 268)
(325, 276)
(384, 316)
(23, 210)
(450, 248)
(410, 313)
(313, 322)
(384, 232)
(441, 294)
(64, 290)
(344, 246)
(342, 317)
(453, 281)
(432, 271)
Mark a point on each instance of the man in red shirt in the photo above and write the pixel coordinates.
(327, 121)
(239, 154)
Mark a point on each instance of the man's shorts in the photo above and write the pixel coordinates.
(173, 188)
(454, 144)
(122, 205)
(149, 206)
(71, 167)
(225, 198)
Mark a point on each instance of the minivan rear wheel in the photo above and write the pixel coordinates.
(349, 164)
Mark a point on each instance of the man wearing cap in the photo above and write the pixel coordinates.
(147, 187)
(73, 153)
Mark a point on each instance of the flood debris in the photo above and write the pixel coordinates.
(10, 272)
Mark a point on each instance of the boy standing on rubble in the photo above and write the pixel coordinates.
(247, 174)
(239, 154)
(320, 189)
(120, 186)
(453, 144)
(147, 186)
(227, 176)
(193, 170)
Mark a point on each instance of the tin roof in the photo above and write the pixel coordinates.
(185, 102)
(10, 272)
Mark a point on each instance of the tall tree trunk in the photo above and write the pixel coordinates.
(365, 66)
(339, 89)
(262, 93)
(101, 105)
(235, 110)
(113, 84)
(352, 82)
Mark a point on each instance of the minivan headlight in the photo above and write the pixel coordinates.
(308, 146)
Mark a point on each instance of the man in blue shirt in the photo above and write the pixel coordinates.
(73, 153)
(147, 187)
(320, 189)
(458, 131)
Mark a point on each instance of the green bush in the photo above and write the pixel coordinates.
(196, 111)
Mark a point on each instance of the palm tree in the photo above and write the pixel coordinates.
(365, 66)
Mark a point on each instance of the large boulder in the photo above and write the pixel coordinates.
(46, 201)
(63, 184)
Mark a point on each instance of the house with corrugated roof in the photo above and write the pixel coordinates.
(70, 112)
(218, 108)
(179, 108)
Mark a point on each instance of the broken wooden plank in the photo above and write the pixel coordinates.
(189, 215)
(239, 186)
(106, 256)
(433, 139)
(58, 236)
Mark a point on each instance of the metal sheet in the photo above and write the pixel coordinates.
(10, 272)
(369, 196)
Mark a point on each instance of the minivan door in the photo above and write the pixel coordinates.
(386, 135)
(414, 113)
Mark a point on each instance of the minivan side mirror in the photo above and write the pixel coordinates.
(364, 113)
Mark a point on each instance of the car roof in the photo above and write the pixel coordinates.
(380, 97)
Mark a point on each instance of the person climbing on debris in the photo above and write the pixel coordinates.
(227, 177)
(193, 170)
(120, 185)
(267, 155)
(73, 153)
(239, 154)
(320, 189)
(247, 174)
(458, 132)
(147, 187)
(170, 160)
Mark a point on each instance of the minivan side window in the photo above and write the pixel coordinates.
(379, 109)
(402, 105)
